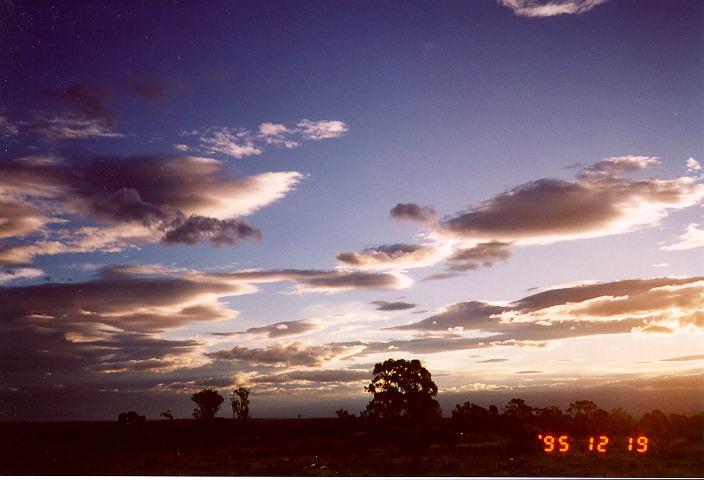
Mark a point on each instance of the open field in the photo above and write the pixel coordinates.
(311, 447)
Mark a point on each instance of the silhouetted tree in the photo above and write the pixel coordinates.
(471, 417)
(655, 423)
(583, 414)
(131, 418)
(551, 418)
(620, 421)
(343, 414)
(403, 389)
(167, 415)
(518, 409)
(208, 402)
(240, 403)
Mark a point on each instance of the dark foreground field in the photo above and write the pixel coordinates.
(313, 447)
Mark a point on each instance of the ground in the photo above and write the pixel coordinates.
(311, 447)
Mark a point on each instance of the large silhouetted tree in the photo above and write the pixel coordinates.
(240, 403)
(208, 402)
(402, 389)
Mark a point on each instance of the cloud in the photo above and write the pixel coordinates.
(658, 305)
(174, 199)
(59, 127)
(392, 306)
(19, 218)
(134, 303)
(286, 329)
(313, 376)
(241, 142)
(195, 227)
(484, 254)
(599, 202)
(154, 89)
(325, 281)
(237, 143)
(494, 360)
(321, 129)
(692, 238)
(595, 205)
(76, 112)
(618, 166)
(686, 358)
(398, 255)
(10, 275)
(292, 354)
(550, 8)
(84, 100)
(8, 128)
(693, 166)
(411, 211)
(277, 134)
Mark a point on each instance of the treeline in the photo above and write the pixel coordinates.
(582, 417)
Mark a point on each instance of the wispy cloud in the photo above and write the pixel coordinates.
(550, 8)
(692, 238)
(241, 142)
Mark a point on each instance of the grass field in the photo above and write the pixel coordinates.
(315, 447)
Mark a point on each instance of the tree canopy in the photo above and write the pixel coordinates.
(208, 402)
(402, 389)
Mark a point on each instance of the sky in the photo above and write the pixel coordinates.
(279, 195)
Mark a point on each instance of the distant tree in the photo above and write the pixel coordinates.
(583, 414)
(551, 417)
(240, 403)
(343, 414)
(620, 421)
(585, 408)
(167, 415)
(518, 409)
(402, 389)
(208, 402)
(493, 411)
(131, 418)
(655, 423)
(470, 417)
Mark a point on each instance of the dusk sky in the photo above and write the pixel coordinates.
(281, 194)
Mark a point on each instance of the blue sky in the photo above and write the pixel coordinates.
(428, 155)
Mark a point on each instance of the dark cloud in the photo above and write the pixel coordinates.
(175, 199)
(293, 354)
(494, 360)
(154, 89)
(392, 306)
(484, 254)
(83, 100)
(412, 211)
(195, 227)
(441, 276)
(523, 372)
(130, 303)
(549, 210)
(285, 329)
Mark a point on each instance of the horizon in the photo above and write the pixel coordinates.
(279, 195)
